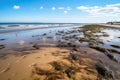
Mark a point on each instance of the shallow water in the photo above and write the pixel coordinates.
(25, 39)
(112, 39)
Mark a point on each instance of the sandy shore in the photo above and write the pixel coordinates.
(44, 64)
(108, 25)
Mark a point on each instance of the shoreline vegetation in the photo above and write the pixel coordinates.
(79, 53)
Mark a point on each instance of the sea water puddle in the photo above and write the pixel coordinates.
(25, 39)
(112, 39)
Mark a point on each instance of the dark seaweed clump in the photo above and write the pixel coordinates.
(116, 46)
(2, 46)
(2, 39)
(104, 72)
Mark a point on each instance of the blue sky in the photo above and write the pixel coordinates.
(63, 11)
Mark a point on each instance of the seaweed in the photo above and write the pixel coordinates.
(104, 72)
(2, 46)
(116, 46)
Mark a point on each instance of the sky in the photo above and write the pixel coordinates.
(60, 11)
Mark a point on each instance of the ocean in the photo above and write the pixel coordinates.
(10, 27)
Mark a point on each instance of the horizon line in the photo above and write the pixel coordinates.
(53, 22)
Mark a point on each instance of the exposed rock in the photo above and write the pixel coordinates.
(77, 37)
(97, 35)
(73, 56)
(101, 42)
(2, 46)
(108, 40)
(36, 46)
(2, 55)
(74, 36)
(83, 40)
(2, 39)
(71, 44)
(111, 56)
(58, 34)
(62, 44)
(58, 68)
(104, 72)
(114, 50)
(104, 49)
(116, 46)
(98, 48)
(35, 35)
(76, 49)
(85, 52)
(61, 31)
(79, 30)
(49, 37)
(68, 72)
(106, 35)
(44, 34)
(92, 44)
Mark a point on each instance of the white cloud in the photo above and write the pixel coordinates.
(61, 8)
(16, 7)
(65, 8)
(107, 10)
(53, 8)
(65, 12)
(68, 8)
(41, 7)
(82, 8)
(113, 5)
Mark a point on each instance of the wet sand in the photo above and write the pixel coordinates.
(23, 67)
(79, 53)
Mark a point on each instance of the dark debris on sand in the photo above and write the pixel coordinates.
(36, 46)
(104, 72)
(2, 46)
(108, 52)
(116, 46)
(2, 39)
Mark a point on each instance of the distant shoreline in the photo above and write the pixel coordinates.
(109, 25)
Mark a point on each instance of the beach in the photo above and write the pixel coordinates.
(111, 25)
(67, 52)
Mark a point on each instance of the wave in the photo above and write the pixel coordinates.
(20, 27)
(14, 26)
